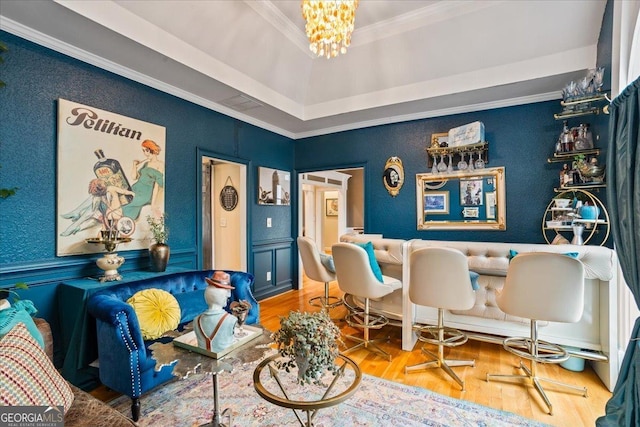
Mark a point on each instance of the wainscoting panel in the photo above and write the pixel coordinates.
(272, 267)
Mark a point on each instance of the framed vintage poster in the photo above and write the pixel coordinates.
(111, 173)
(331, 207)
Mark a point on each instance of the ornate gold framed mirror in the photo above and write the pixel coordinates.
(468, 200)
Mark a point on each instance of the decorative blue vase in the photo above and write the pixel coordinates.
(589, 212)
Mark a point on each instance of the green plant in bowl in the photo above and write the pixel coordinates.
(308, 341)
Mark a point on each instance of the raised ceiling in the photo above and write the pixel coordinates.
(250, 59)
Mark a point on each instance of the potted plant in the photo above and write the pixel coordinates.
(159, 251)
(308, 341)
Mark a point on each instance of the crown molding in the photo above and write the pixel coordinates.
(512, 102)
(34, 36)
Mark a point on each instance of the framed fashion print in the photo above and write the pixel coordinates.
(111, 176)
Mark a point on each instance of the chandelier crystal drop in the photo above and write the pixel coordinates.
(329, 25)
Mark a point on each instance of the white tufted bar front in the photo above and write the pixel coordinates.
(596, 332)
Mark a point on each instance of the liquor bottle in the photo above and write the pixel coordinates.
(566, 138)
(111, 171)
(564, 175)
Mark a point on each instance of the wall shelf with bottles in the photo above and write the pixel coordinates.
(584, 107)
(580, 187)
(563, 157)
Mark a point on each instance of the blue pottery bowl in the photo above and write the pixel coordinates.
(589, 212)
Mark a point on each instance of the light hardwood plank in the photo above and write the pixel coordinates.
(569, 409)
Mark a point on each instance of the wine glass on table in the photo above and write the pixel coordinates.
(240, 309)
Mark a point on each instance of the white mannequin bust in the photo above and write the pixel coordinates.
(215, 326)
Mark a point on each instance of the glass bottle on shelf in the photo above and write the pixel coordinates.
(566, 138)
(584, 140)
(564, 175)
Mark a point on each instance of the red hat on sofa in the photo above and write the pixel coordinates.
(220, 279)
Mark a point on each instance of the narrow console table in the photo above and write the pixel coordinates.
(78, 328)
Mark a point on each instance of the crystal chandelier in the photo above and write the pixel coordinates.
(329, 25)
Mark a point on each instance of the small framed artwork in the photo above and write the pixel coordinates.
(439, 140)
(471, 212)
(331, 207)
(274, 187)
(471, 192)
(490, 199)
(436, 202)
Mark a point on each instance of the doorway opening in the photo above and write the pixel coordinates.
(331, 204)
(224, 215)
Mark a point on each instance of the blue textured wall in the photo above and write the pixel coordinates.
(36, 77)
(520, 139)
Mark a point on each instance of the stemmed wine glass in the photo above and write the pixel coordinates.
(598, 78)
(442, 165)
(434, 168)
(462, 164)
(470, 168)
(240, 309)
(450, 166)
(479, 164)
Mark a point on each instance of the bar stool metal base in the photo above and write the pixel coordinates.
(363, 319)
(536, 351)
(326, 302)
(443, 337)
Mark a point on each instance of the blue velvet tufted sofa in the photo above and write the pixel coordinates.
(126, 365)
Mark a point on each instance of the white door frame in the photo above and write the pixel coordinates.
(311, 188)
(241, 187)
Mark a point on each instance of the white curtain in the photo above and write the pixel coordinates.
(626, 44)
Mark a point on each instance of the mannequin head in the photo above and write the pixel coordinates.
(218, 290)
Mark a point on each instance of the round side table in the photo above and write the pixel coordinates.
(281, 388)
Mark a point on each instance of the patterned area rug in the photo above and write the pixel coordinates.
(377, 402)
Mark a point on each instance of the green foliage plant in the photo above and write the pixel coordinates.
(158, 228)
(6, 292)
(309, 337)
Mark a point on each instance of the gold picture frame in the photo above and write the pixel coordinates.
(393, 175)
(331, 207)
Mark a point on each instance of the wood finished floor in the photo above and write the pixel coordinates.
(569, 409)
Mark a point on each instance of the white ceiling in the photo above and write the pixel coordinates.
(408, 59)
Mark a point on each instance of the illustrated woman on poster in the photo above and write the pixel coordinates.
(149, 186)
(102, 205)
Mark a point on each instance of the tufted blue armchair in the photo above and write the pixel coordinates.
(126, 365)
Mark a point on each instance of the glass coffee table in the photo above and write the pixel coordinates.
(187, 362)
(281, 387)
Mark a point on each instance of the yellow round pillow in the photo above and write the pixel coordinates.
(158, 311)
